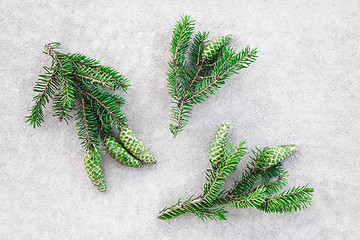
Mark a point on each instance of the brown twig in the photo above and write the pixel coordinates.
(89, 78)
(182, 207)
(85, 119)
(194, 79)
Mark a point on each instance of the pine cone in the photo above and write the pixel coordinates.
(119, 153)
(214, 47)
(218, 145)
(94, 171)
(134, 145)
(272, 156)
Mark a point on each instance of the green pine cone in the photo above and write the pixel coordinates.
(218, 145)
(118, 152)
(272, 156)
(133, 145)
(213, 48)
(94, 171)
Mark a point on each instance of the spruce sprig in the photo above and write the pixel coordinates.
(210, 64)
(78, 83)
(45, 87)
(259, 187)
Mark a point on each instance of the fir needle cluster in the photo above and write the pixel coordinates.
(77, 83)
(210, 64)
(258, 188)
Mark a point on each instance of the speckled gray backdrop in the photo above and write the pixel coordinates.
(303, 89)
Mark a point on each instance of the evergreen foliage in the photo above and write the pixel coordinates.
(78, 83)
(258, 188)
(209, 65)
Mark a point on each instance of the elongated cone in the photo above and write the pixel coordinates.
(218, 145)
(94, 171)
(272, 156)
(214, 47)
(131, 143)
(118, 152)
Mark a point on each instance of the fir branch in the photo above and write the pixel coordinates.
(63, 112)
(120, 80)
(275, 171)
(249, 178)
(289, 201)
(243, 194)
(197, 47)
(105, 100)
(89, 68)
(77, 77)
(211, 214)
(63, 73)
(104, 122)
(253, 199)
(180, 115)
(81, 60)
(45, 87)
(240, 61)
(192, 83)
(104, 75)
(277, 185)
(179, 44)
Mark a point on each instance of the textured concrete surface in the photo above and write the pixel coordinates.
(303, 89)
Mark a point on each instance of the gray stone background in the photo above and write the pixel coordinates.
(304, 89)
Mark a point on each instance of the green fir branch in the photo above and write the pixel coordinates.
(63, 112)
(200, 40)
(45, 87)
(211, 214)
(90, 69)
(249, 192)
(107, 102)
(76, 77)
(275, 186)
(192, 82)
(253, 199)
(179, 45)
(289, 201)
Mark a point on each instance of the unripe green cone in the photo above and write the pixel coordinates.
(218, 145)
(118, 152)
(214, 47)
(94, 171)
(272, 156)
(133, 145)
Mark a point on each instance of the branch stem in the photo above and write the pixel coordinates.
(177, 125)
(179, 210)
(89, 78)
(88, 139)
(53, 54)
